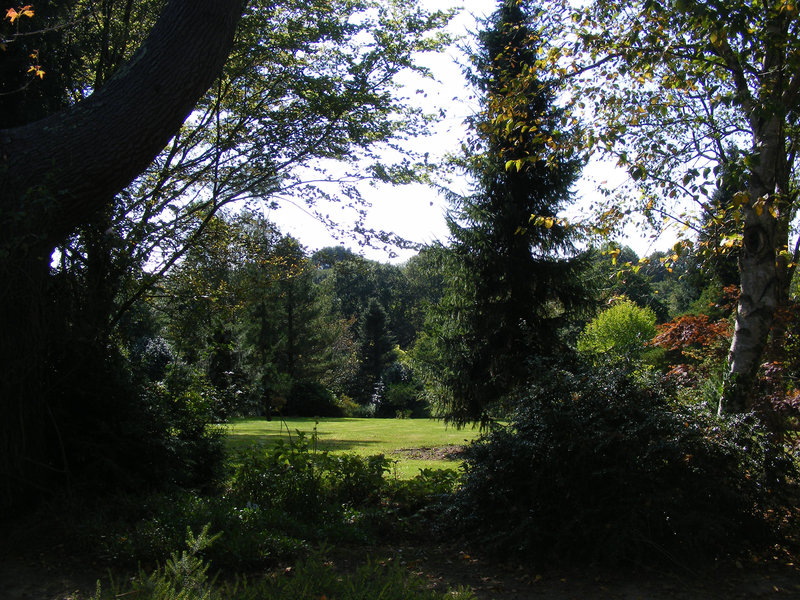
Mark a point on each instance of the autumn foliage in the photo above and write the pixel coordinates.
(12, 14)
(695, 344)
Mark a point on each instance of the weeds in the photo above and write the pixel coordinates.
(279, 501)
(185, 576)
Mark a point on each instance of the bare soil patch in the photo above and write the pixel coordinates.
(451, 452)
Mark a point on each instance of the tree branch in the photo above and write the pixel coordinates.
(58, 171)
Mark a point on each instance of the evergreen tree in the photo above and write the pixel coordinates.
(377, 349)
(512, 272)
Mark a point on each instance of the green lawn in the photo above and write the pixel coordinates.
(360, 436)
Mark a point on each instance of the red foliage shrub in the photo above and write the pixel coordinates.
(695, 345)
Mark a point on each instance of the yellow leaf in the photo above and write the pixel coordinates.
(548, 222)
(24, 11)
(741, 198)
(731, 241)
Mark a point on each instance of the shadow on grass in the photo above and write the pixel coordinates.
(294, 420)
(242, 441)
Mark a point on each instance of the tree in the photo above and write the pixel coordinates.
(57, 173)
(620, 272)
(377, 349)
(282, 293)
(88, 153)
(512, 275)
(425, 279)
(308, 96)
(620, 332)
(351, 282)
(673, 90)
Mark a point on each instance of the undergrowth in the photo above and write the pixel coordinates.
(600, 467)
(278, 502)
(185, 576)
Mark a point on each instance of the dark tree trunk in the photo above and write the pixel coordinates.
(55, 174)
(58, 171)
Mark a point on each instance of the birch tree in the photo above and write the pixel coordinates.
(681, 93)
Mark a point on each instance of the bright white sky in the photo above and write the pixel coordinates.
(416, 212)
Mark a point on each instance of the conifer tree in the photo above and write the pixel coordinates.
(513, 272)
(377, 349)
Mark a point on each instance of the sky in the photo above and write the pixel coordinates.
(417, 212)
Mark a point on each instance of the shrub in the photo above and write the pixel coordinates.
(294, 478)
(348, 406)
(401, 398)
(185, 576)
(184, 405)
(151, 356)
(317, 578)
(311, 399)
(696, 347)
(619, 333)
(599, 467)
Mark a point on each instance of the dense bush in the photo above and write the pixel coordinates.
(301, 481)
(599, 467)
(619, 332)
(401, 392)
(150, 356)
(311, 399)
(278, 500)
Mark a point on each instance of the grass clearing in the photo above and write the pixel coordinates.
(364, 437)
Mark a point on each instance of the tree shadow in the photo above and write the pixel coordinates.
(241, 441)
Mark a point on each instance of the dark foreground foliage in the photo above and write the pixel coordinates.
(601, 468)
(185, 576)
(277, 503)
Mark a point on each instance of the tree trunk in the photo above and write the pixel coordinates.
(758, 299)
(763, 286)
(54, 175)
(58, 171)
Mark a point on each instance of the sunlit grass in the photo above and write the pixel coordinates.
(358, 436)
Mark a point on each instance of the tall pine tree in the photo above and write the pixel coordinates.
(513, 275)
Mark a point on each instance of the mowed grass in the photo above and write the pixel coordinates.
(364, 437)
